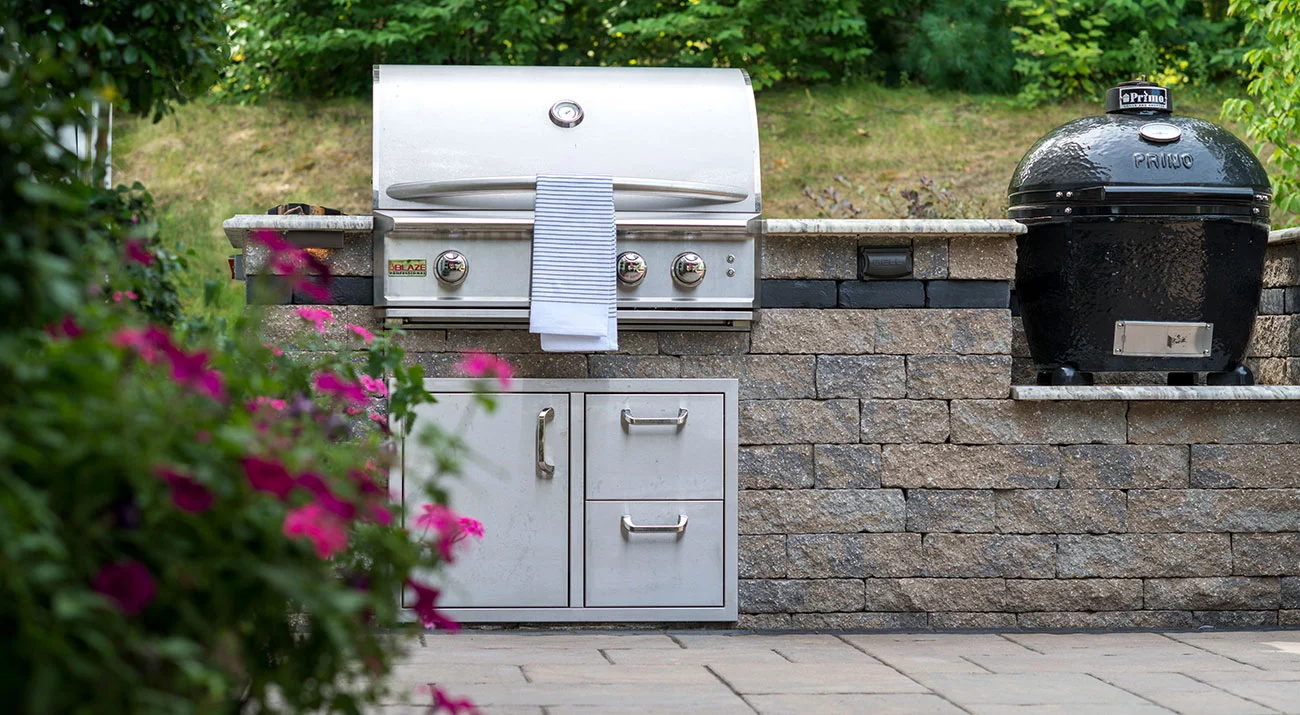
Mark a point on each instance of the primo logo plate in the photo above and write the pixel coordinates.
(1144, 98)
(408, 267)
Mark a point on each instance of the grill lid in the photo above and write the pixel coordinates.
(1139, 159)
(476, 137)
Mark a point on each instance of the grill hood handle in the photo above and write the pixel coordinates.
(423, 190)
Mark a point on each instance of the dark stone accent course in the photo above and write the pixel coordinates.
(344, 290)
(1015, 303)
(797, 294)
(967, 294)
(1293, 300)
(1272, 301)
(268, 290)
(882, 294)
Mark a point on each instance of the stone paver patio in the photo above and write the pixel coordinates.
(1219, 673)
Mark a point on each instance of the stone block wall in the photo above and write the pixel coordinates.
(888, 480)
(1275, 348)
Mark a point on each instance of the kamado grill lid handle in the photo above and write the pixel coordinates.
(1138, 96)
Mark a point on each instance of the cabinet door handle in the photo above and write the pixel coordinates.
(678, 528)
(678, 421)
(544, 470)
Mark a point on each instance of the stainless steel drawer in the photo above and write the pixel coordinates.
(655, 446)
(654, 553)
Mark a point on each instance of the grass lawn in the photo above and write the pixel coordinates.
(211, 161)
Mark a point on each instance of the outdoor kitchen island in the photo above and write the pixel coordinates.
(889, 479)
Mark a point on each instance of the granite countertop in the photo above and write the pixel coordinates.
(1154, 392)
(238, 227)
(1285, 235)
(890, 227)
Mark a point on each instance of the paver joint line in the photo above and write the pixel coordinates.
(735, 692)
(1243, 697)
(1207, 650)
(932, 691)
(1130, 692)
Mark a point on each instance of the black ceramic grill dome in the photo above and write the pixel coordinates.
(1145, 243)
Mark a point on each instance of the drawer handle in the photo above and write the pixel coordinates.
(678, 528)
(544, 470)
(678, 421)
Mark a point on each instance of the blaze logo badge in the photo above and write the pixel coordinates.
(408, 267)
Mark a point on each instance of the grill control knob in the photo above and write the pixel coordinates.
(451, 267)
(688, 269)
(631, 268)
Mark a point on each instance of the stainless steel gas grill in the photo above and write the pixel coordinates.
(457, 151)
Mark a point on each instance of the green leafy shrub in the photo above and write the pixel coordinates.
(190, 521)
(173, 503)
(962, 45)
(326, 47)
(788, 41)
(1271, 111)
(1067, 47)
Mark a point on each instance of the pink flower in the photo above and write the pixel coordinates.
(261, 401)
(331, 384)
(274, 350)
(365, 484)
(187, 494)
(117, 295)
(268, 476)
(66, 328)
(325, 498)
(472, 526)
(148, 343)
(128, 584)
(316, 291)
(374, 384)
(137, 253)
(381, 515)
(319, 316)
(480, 364)
(425, 608)
(324, 530)
(364, 334)
(272, 240)
(380, 420)
(191, 370)
(444, 702)
(450, 527)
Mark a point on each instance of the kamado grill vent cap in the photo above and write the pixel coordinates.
(1138, 96)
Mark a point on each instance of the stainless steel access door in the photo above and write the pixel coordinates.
(516, 481)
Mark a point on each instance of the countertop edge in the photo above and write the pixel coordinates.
(238, 227)
(1154, 392)
(888, 227)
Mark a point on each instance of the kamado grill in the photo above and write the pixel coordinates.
(1145, 248)
(457, 151)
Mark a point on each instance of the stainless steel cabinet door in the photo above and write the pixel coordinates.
(654, 553)
(654, 446)
(508, 484)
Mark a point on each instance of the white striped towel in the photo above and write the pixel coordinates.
(574, 295)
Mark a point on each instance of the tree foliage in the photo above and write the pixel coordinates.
(1271, 112)
(1051, 48)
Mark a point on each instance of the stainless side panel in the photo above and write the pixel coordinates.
(448, 123)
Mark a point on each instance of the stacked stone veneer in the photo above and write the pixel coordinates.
(1275, 349)
(888, 481)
